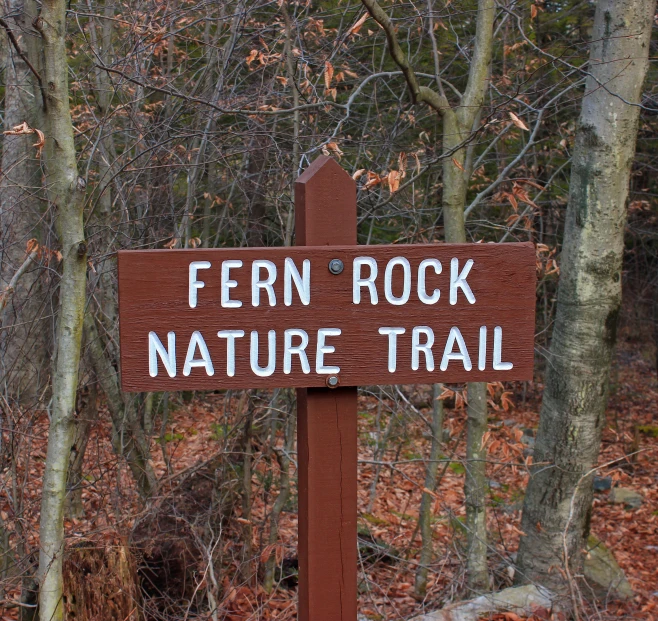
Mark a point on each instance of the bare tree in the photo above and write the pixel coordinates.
(66, 192)
(459, 125)
(558, 502)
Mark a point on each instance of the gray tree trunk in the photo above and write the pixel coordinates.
(457, 127)
(23, 337)
(128, 438)
(475, 489)
(66, 194)
(558, 502)
(425, 512)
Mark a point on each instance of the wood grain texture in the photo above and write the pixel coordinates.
(327, 428)
(327, 443)
(153, 296)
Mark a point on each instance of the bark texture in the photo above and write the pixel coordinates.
(475, 488)
(23, 329)
(65, 193)
(558, 501)
(425, 512)
(128, 438)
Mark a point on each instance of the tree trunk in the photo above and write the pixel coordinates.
(283, 457)
(23, 329)
(558, 501)
(425, 513)
(475, 489)
(66, 194)
(128, 438)
(87, 417)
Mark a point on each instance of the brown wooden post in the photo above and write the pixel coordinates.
(325, 215)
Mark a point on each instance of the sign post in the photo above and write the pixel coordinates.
(325, 215)
(325, 317)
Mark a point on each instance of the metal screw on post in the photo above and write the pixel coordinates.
(333, 381)
(336, 266)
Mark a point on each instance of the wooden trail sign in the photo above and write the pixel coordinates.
(325, 317)
(272, 317)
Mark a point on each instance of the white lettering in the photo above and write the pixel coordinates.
(448, 355)
(426, 347)
(289, 349)
(388, 277)
(323, 349)
(392, 334)
(257, 284)
(482, 357)
(228, 284)
(230, 336)
(194, 283)
(197, 341)
(369, 282)
(271, 354)
(168, 356)
(422, 291)
(458, 281)
(302, 283)
(498, 352)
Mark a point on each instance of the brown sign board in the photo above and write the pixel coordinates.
(273, 317)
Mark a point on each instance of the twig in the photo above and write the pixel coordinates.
(26, 60)
(11, 287)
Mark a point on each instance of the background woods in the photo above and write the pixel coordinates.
(183, 124)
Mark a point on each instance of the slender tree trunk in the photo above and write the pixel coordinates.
(66, 194)
(458, 126)
(255, 189)
(558, 502)
(128, 435)
(87, 416)
(425, 513)
(23, 330)
(475, 489)
(247, 566)
(283, 457)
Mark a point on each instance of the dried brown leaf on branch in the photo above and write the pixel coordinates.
(24, 129)
(523, 195)
(355, 29)
(457, 164)
(43, 252)
(518, 122)
(394, 181)
(373, 179)
(328, 74)
(332, 147)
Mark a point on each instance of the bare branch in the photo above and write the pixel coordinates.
(419, 94)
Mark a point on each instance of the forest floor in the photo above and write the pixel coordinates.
(629, 456)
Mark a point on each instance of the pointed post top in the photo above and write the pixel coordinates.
(325, 205)
(321, 166)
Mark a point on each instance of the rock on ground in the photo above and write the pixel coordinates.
(521, 600)
(603, 573)
(627, 497)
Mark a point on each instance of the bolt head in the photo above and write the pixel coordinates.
(332, 381)
(336, 266)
